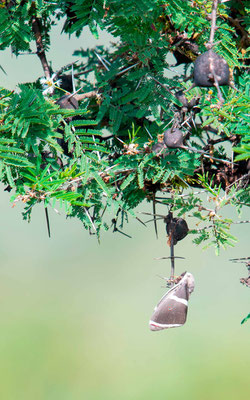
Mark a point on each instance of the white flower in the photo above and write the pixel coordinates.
(49, 84)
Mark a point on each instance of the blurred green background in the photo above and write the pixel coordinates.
(74, 313)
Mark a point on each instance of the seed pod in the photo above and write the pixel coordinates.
(182, 98)
(187, 105)
(208, 67)
(157, 147)
(173, 138)
(176, 228)
(66, 82)
(68, 102)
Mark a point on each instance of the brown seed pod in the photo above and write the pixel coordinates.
(158, 147)
(173, 138)
(182, 98)
(177, 228)
(209, 67)
(68, 102)
(187, 105)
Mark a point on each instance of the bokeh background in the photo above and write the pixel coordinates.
(74, 313)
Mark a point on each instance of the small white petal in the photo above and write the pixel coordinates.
(49, 90)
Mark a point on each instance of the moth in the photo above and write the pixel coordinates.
(171, 311)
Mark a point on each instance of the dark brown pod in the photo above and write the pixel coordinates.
(157, 147)
(209, 66)
(177, 228)
(173, 138)
(68, 102)
(66, 82)
(187, 105)
(182, 98)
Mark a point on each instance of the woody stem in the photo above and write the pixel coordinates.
(40, 48)
(213, 23)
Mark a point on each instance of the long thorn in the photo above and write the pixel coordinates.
(154, 212)
(143, 223)
(172, 256)
(123, 233)
(90, 219)
(167, 258)
(47, 220)
(102, 61)
(72, 77)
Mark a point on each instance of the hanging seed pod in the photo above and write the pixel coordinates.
(68, 102)
(182, 98)
(187, 105)
(173, 138)
(158, 147)
(177, 228)
(209, 68)
(66, 82)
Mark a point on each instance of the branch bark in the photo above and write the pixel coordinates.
(213, 25)
(39, 45)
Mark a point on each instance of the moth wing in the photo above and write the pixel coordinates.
(171, 311)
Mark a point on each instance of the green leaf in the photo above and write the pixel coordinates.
(245, 319)
(127, 181)
(101, 183)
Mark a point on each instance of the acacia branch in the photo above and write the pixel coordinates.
(213, 24)
(87, 95)
(39, 45)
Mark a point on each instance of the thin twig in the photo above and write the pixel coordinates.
(211, 226)
(210, 44)
(39, 45)
(237, 180)
(242, 259)
(167, 258)
(206, 155)
(241, 222)
(88, 95)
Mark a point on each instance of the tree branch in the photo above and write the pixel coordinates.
(39, 45)
(87, 95)
(210, 44)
